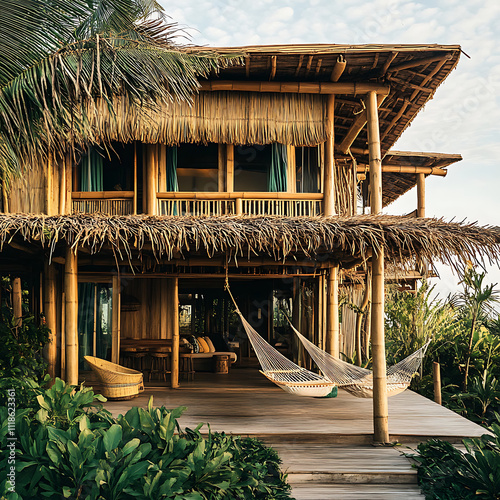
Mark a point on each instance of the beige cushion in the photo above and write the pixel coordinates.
(210, 344)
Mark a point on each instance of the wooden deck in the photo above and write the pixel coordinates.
(325, 444)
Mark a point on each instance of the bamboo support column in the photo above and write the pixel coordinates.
(151, 176)
(49, 309)
(115, 325)
(436, 371)
(329, 172)
(17, 301)
(71, 316)
(332, 317)
(420, 195)
(174, 374)
(230, 168)
(380, 403)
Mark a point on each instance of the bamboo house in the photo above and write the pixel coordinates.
(273, 177)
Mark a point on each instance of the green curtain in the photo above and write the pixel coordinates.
(86, 300)
(91, 171)
(171, 169)
(278, 168)
(94, 307)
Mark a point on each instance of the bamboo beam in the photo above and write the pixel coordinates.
(358, 126)
(380, 403)
(299, 65)
(49, 310)
(400, 113)
(296, 87)
(230, 168)
(17, 302)
(420, 195)
(247, 66)
(174, 374)
(338, 69)
(239, 194)
(387, 63)
(273, 68)
(420, 62)
(406, 170)
(332, 318)
(116, 319)
(71, 316)
(309, 64)
(102, 195)
(329, 169)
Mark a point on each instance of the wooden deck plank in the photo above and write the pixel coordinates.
(356, 492)
(246, 403)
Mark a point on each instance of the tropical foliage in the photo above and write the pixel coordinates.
(58, 58)
(69, 445)
(447, 473)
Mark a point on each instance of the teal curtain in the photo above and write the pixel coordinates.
(172, 184)
(91, 171)
(278, 168)
(94, 317)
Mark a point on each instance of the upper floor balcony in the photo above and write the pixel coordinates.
(200, 180)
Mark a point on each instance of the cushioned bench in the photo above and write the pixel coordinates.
(205, 362)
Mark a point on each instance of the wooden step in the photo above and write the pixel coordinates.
(309, 491)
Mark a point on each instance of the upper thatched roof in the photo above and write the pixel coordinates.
(413, 73)
(343, 239)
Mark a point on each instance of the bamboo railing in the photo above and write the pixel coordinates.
(105, 202)
(239, 203)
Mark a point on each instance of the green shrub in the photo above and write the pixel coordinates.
(69, 447)
(446, 473)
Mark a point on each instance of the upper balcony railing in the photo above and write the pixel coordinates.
(239, 203)
(203, 203)
(106, 202)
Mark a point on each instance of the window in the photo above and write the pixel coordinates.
(308, 171)
(197, 167)
(251, 167)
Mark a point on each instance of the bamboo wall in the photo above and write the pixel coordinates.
(154, 319)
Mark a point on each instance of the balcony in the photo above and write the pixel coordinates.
(202, 203)
(106, 202)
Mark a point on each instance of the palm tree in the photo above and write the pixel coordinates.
(59, 57)
(477, 302)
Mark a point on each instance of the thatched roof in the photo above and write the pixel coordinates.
(336, 238)
(413, 72)
(395, 184)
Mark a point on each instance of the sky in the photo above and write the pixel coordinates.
(463, 117)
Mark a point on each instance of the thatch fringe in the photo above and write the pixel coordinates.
(220, 117)
(338, 238)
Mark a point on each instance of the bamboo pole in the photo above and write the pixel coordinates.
(361, 168)
(115, 325)
(17, 302)
(436, 370)
(420, 195)
(49, 309)
(239, 206)
(380, 403)
(49, 185)
(230, 168)
(332, 317)
(296, 87)
(68, 166)
(135, 178)
(188, 195)
(174, 374)
(151, 190)
(329, 175)
(71, 316)
(62, 188)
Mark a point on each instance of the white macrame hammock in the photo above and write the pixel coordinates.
(284, 373)
(359, 381)
(297, 380)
